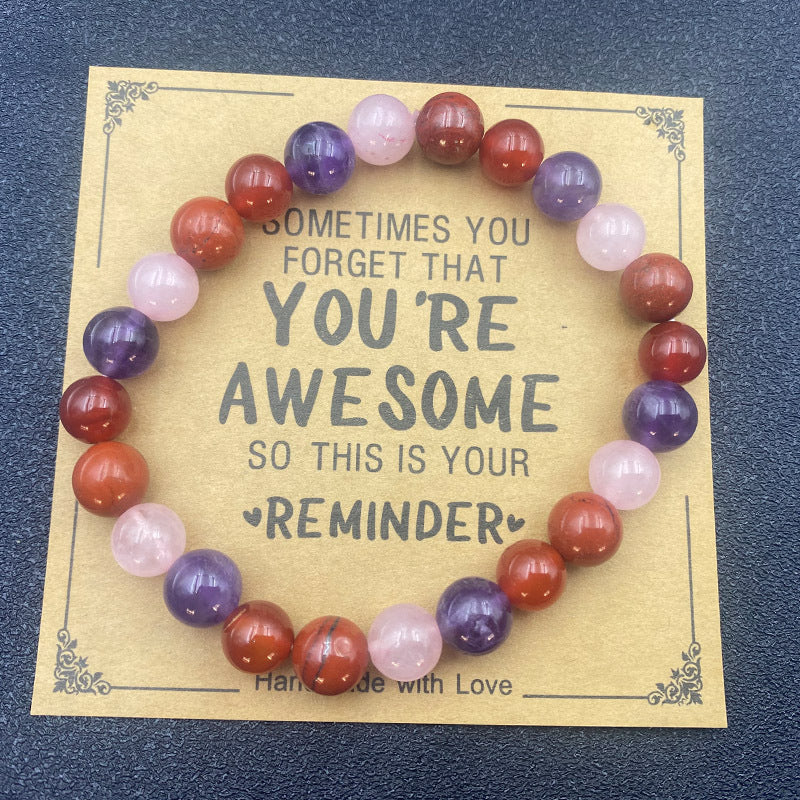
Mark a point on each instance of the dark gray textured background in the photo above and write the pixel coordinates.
(743, 58)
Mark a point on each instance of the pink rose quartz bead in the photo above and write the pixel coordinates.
(381, 129)
(164, 286)
(147, 539)
(610, 237)
(626, 473)
(404, 642)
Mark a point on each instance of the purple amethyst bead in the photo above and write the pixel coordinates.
(319, 157)
(474, 615)
(661, 415)
(120, 342)
(202, 587)
(567, 186)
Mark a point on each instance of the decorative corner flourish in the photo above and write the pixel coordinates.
(72, 673)
(686, 684)
(121, 98)
(669, 125)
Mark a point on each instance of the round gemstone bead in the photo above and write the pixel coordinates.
(656, 287)
(202, 588)
(511, 152)
(330, 655)
(532, 574)
(567, 186)
(207, 232)
(381, 129)
(120, 342)
(449, 128)
(163, 286)
(404, 642)
(320, 157)
(661, 415)
(474, 615)
(626, 473)
(585, 528)
(109, 478)
(147, 539)
(95, 409)
(257, 637)
(258, 188)
(610, 236)
(672, 351)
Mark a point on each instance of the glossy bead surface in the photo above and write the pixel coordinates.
(404, 642)
(147, 539)
(585, 528)
(661, 415)
(120, 342)
(656, 287)
(474, 615)
(258, 188)
(207, 232)
(95, 409)
(381, 129)
(449, 128)
(610, 236)
(202, 588)
(626, 473)
(319, 157)
(672, 351)
(257, 637)
(163, 286)
(511, 152)
(109, 478)
(532, 574)
(330, 655)
(567, 186)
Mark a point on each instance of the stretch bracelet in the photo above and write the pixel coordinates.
(474, 615)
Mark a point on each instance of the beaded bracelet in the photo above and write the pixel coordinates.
(203, 587)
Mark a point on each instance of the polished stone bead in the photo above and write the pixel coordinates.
(661, 415)
(626, 473)
(672, 351)
(404, 642)
(257, 637)
(207, 232)
(120, 342)
(95, 409)
(474, 615)
(567, 186)
(258, 188)
(109, 478)
(330, 655)
(656, 287)
(202, 588)
(532, 574)
(147, 539)
(449, 128)
(381, 129)
(163, 286)
(585, 528)
(319, 157)
(610, 236)
(511, 152)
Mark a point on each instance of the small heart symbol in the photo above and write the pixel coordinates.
(513, 523)
(253, 517)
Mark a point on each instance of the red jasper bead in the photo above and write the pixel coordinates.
(258, 188)
(207, 232)
(257, 636)
(672, 351)
(656, 287)
(109, 478)
(449, 128)
(532, 574)
(511, 152)
(95, 409)
(585, 528)
(330, 655)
